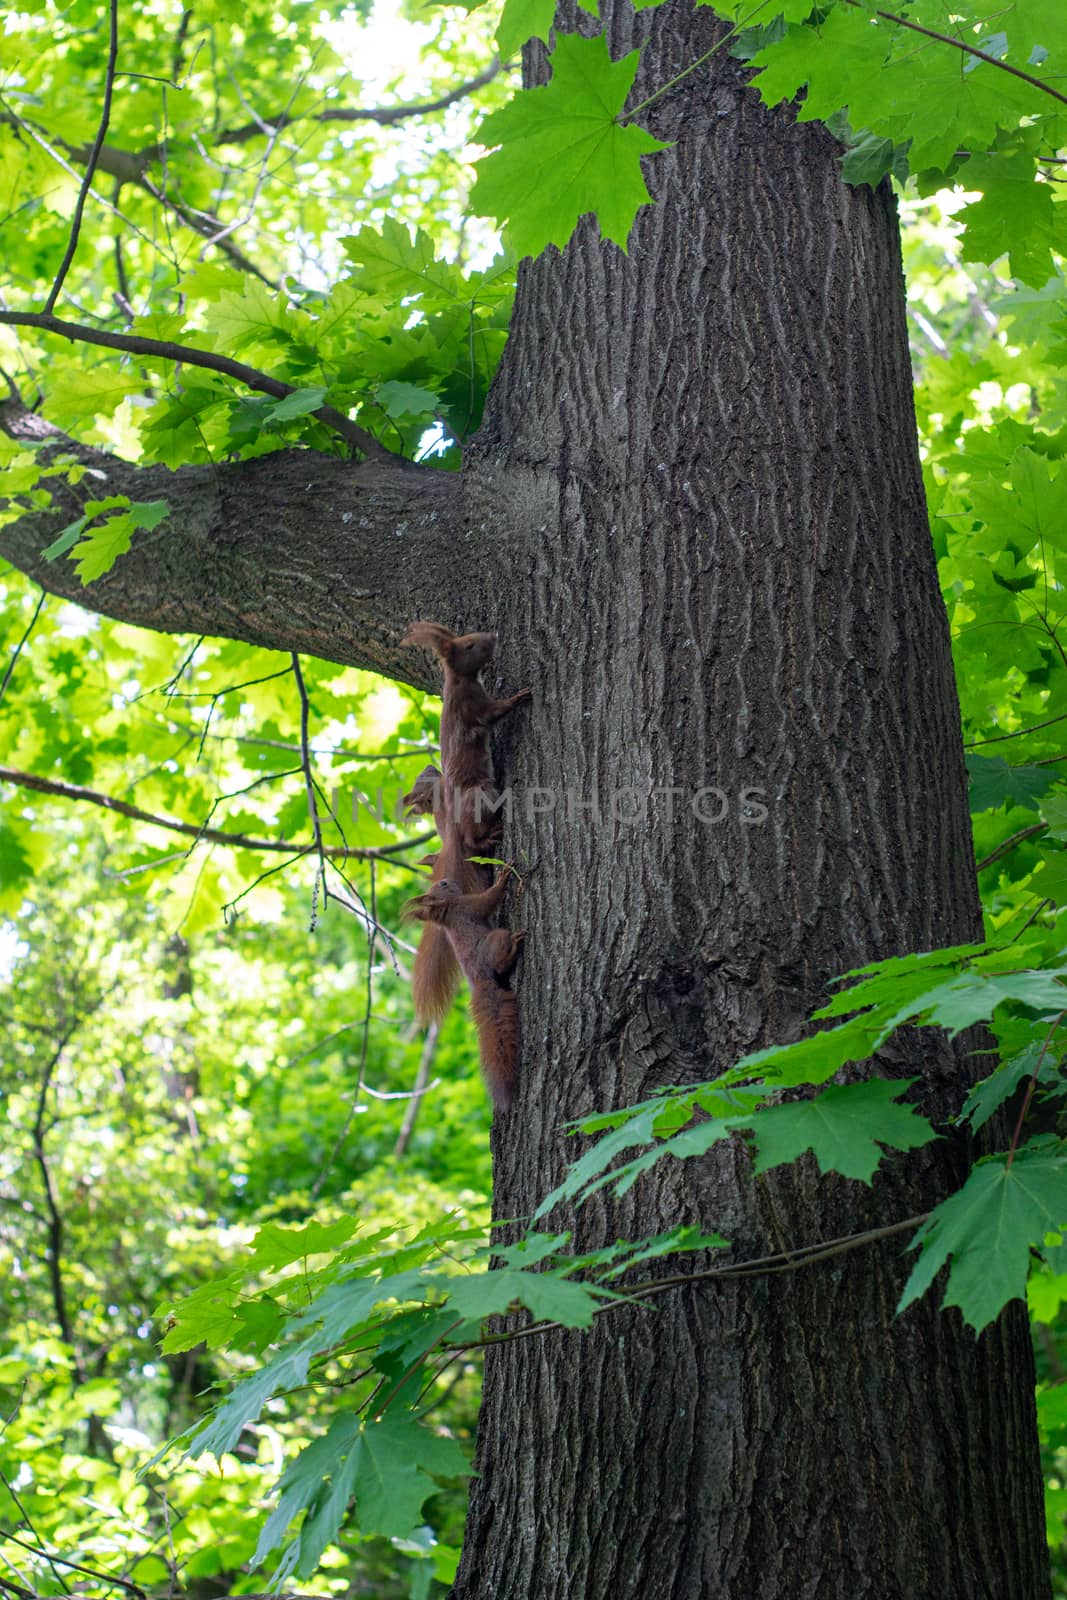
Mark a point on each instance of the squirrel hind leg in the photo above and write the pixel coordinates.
(502, 949)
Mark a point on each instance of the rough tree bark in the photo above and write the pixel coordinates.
(695, 514)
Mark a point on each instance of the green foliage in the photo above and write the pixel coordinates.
(988, 1229)
(375, 1316)
(564, 152)
(1008, 1204)
(218, 1133)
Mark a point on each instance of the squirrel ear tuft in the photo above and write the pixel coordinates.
(431, 636)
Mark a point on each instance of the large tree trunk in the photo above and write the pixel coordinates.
(712, 561)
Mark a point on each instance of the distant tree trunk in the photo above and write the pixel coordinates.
(709, 555)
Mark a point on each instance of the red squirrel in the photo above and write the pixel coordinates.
(435, 975)
(457, 796)
(486, 955)
(467, 714)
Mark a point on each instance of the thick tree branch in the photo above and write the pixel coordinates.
(135, 345)
(291, 551)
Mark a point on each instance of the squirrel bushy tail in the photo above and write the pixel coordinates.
(496, 1016)
(434, 976)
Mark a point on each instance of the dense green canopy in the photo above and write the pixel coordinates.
(220, 1112)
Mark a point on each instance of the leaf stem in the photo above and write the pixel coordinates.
(1030, 1087)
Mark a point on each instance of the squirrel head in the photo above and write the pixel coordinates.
(470, 653)
(465, 653)
(420, 798)
(433, 906)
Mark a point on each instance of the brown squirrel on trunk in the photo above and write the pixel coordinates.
(486, 955)
(460, 798)
(467, 714)
(435, 976)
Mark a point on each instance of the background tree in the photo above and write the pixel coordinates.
(708, 443)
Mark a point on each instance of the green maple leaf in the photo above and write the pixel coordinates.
(869, 159)
(891, 85)
(1054, 811)
(837, 63)
(844, 1126)
(279, 1244)
(549, 1296)
(384, 1465)
(993, 782)
(986, 1098)
(249, 316)
(563, 152)
(392, 264)
(986, 1231)
(1050, 879)
(1016, 215)
(1029, 511)
(298, 404)
(16, 868)
(399, 399)
(521, 20)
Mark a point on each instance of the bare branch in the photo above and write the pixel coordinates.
(164, 349)
(418, 1089)
(383, 116)
(305, 765)
(238, 841)
(208, 227)
(94, 154)
(1008, 844)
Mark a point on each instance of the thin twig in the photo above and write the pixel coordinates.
(136, 345)
(55, 1217)
(90, 1572)
(1002, 849)
(383, 116)
(1020, 733)
(94, 156)
(28, 1520)
(742, 22)
(305, 764)
(22, 643)
(760, 1266)
(422, 1076)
